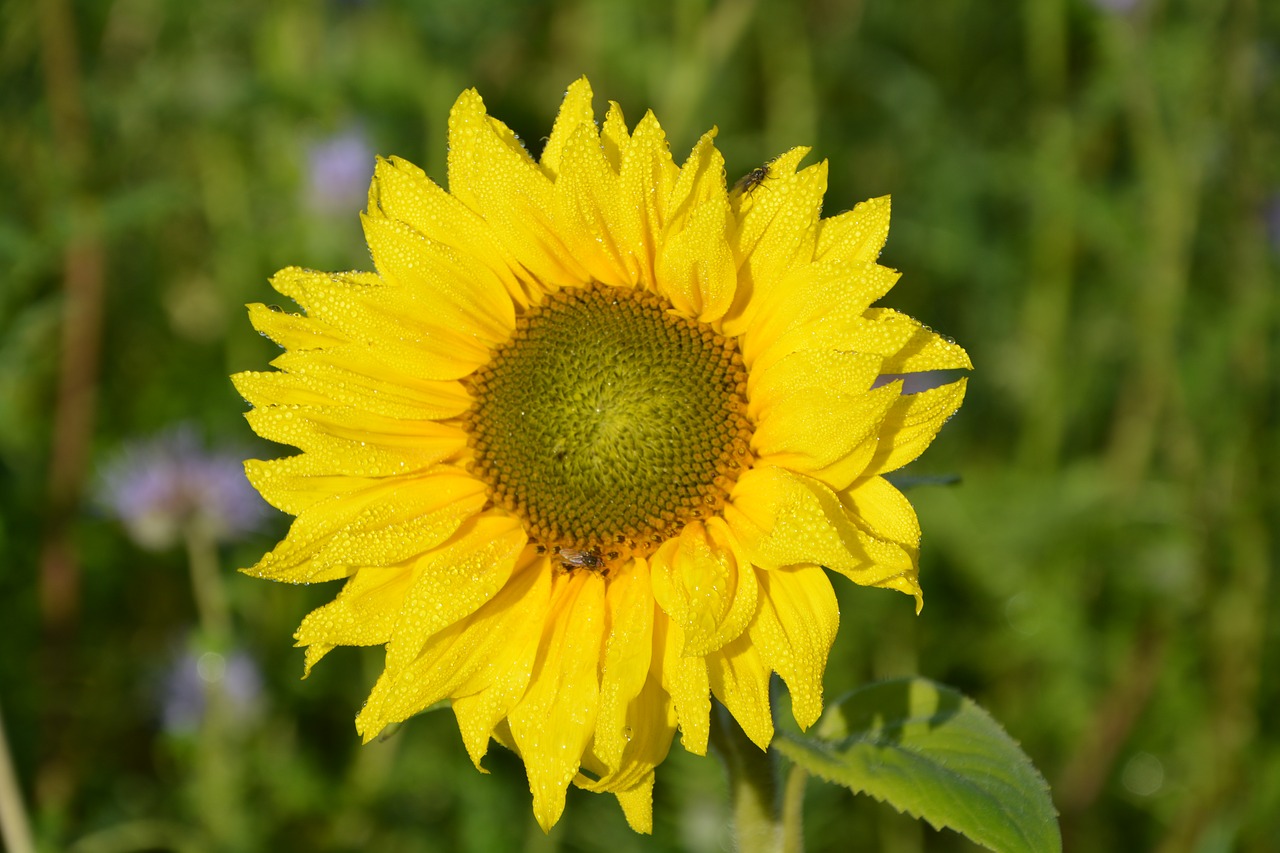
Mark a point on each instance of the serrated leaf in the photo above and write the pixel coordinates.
(931, 752)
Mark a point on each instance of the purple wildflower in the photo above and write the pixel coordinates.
(160, 486)
(1271, 222)
(339, 169)
(188, 681)
(1117, 7)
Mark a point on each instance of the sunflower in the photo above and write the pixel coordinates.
(588, 444)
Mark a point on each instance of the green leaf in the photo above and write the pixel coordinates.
(932, 753)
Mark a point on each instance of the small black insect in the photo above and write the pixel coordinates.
(752, 179)
(575, 558)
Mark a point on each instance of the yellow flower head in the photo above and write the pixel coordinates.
(586, 441)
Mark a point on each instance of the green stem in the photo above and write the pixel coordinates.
(793, 811)
(206, 586)
(753, 788)
(15, 829)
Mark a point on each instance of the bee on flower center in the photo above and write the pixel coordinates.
(584, 558)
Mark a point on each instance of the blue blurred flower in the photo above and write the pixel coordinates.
(917, 383)
(192, 677)
(160, 486)
(339, 170)
(1271, 220)
(1118, 7)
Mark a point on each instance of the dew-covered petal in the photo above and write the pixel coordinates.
(777, 231)
(294, 331)
(454, 580)
(885, 511)
(911, 424)
(575, 111)
(818, 414)
(637, 804)
(793, 632)
(694, 263)
(740, 680)
(362, 307)
(628, 652)
(781, 518)
(695, 266)
(614, 136)
(311, 379)
(438, 290)
(907, 346)
(855, 235)
(819, 306)
(705, 586)
(358, 443)
(554, 721)
(492, 174)
(401, 191)
(483, 662)
(381, 524)
(686, 680)
(363, 614)
(646, 183)
(591, 216)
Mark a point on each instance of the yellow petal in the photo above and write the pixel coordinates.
(907, 346)
(695, 267)
(686, 680)
(453, 581)
(379, 525)
(628, 651)
(911, 424)
(614, 136)
(358, 443)
(793, 633)
(553, 723)
(844, 372)
(777, 231)
(307, 378)
(700, 179)
(483, 662)
(492, 174)
(363, 614)
(647, 181)
(441, 292)
(740, 680)
(705, 586)
(855, 235)
(694, 262)
(781, 518)
(816, 414)
(575, 110)
(589, 212)
(819, 307)
(364, 308)
(885, 510)
(402, 191)
(637, 805)
(294, 331)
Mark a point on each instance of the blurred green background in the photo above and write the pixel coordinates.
(1086, 195)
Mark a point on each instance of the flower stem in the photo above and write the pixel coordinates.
(758, 824)
(206, 586)
(15, 829)
(793, 811)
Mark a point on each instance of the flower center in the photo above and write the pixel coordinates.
(607, 422)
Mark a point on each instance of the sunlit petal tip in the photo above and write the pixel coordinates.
(637, 805)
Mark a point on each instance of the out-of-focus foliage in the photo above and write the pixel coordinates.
(1085, 194)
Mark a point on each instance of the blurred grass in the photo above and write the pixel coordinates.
(1080, 199)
